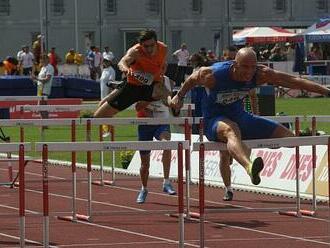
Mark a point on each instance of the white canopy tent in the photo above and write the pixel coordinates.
(262, 35)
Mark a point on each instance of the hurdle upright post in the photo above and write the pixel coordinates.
(113, 164)
(180, 196)
(187, 131)
(21, 196)
(201, 195)
(297, 130)
(329, 172)
(101, 156)
(314, 164)
(313, 211)
(45, 195)
(74, 172)
(89, 170)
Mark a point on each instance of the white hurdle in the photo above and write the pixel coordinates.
(22, 98)
(261, 143)
(20, 148)
(109, 146)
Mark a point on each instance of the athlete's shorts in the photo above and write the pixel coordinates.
(148, 132)
(129, 94)
(251, 126)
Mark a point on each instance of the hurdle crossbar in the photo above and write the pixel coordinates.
(38, 122)
(111, 146)
(14, 147)
(57, 108)
(22, 98)
(268, 143)
(138, 121)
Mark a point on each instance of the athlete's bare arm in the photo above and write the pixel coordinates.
(203, 76)
(128, 59)
(267, 75)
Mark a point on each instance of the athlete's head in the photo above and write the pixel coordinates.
(245, 64)
(148, 40)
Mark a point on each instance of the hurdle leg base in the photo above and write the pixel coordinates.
(308, 212)
(290, 213)
(105, 182)
(66, 218)
(192, 215)
(82, 217)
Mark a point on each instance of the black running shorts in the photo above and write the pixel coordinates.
(129, 94)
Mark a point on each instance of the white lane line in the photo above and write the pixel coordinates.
(214, 223)
(136, 233)
(268, 233)
(26, 240)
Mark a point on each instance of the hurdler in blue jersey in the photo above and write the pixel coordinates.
(226, 85)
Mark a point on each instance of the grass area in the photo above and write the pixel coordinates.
(63, 133)
(306, 106)
(291, 106)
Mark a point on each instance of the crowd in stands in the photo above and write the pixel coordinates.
(27, 62)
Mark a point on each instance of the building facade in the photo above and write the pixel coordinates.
(115, 23)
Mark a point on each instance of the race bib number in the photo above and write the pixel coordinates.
(229, 98)
(143, 77)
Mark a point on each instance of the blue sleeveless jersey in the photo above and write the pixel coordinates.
(226, 97)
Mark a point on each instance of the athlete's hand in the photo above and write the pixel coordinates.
(176, 103)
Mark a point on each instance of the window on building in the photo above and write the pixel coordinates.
(322, 5)
(154, 6)
(111, 6)
(176, 39)
(4, 8)
(197, 6)
(238, 6)
(57, 7)
(280, 5)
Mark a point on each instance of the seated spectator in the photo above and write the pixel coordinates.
(78, 59)
(229, 53)
(69, 57)
(9, 66)
(315, 53)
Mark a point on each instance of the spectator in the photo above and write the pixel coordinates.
(315, 53)
(9, 65)
(19, 57)
(182, 56)
(202, 52)
(290, 51)
(97, 63)
(69, 57)
(107, 53)
(27, 61)
(37, 49)
(54, 59)
(90, 61)
(210, 56)
(78, 59)
(229, 53)
(276, 54)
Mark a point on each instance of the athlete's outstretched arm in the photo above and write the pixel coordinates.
(128, 59)
(267, 75)
(203, 76)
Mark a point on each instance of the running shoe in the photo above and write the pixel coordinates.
(141, 198)
(167, 188)
(229, 195)
(257, 166)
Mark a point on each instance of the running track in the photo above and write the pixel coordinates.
(143, 229)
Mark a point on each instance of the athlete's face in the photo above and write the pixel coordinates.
(149, 46)
(246, 69)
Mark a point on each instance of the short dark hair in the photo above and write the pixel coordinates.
(147, 35)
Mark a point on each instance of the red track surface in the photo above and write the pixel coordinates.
(151, 230)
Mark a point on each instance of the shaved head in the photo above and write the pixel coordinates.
(245, 64)
(246, 54)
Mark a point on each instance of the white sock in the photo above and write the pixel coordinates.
(166, 181)
(229, 188)
(143, 188)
